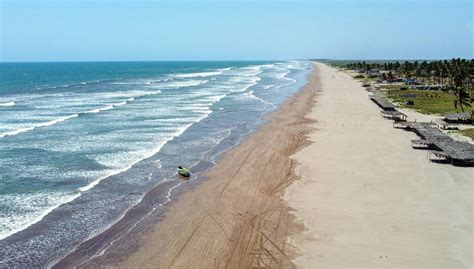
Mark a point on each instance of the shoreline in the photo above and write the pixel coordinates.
(130, 245)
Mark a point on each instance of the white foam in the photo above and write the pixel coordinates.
(214, 98)
(108, 107)
(120, 104)
(121, 83)
(43, 124)
(46, 86)
(37, 207)
(283, 75)
(199, 74)
(249, 79)
(253, 96)
(150, 93)
(255, 70)
(179, 84)
(58, 120)
(8, 104)
(98, 110)
(134, 82)
(94, 183)
(168, 194)
(102, 252)
(298, 65)
(205, 112)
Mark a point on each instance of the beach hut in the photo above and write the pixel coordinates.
(401, 124)
(464, 118)
(393, 115)
(438, 156)
(445, 148)
(382, 102)
(443, 125)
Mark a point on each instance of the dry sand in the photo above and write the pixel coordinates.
(367, 199)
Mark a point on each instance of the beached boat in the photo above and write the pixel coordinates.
(183, 171)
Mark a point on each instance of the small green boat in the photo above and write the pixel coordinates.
(183, 171)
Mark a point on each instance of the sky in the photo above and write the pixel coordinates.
(147, 30)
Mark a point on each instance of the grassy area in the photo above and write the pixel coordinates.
(365, 78)
(468, 133)
(431, 102)
(424, 101)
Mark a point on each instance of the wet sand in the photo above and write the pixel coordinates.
(236, 218)
(367, 199)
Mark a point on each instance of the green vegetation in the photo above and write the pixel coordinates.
(431, 102)
(359, 76)
(468, 133)
(455, 76)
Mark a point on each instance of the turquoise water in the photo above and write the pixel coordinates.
(81, 143)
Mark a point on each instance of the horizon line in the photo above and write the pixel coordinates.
(242, 60)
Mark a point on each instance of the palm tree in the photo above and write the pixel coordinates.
(390, 76)
(458, 76)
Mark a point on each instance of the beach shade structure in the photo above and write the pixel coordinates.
(421, 144)
(401, 125)
(465, 117)
(438, 156)
(455, 152)
(382, 102)
(393, 115)
(443, 125)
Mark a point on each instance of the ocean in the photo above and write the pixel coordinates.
(82, 143)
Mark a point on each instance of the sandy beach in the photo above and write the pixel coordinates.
(367, 199)
(236, 134)
(326, 183)
(236, 218)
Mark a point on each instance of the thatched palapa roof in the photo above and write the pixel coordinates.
(458, 116)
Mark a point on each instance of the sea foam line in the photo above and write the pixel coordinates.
(46, 87)
(253, 96)
(179, 84)
(95, 182)
(36, 219)
(102, 252)
(179, 132)
(167, 197)
(43, 124)
(8, 104)
(199, 74)
(61, 119)
(153, 152)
